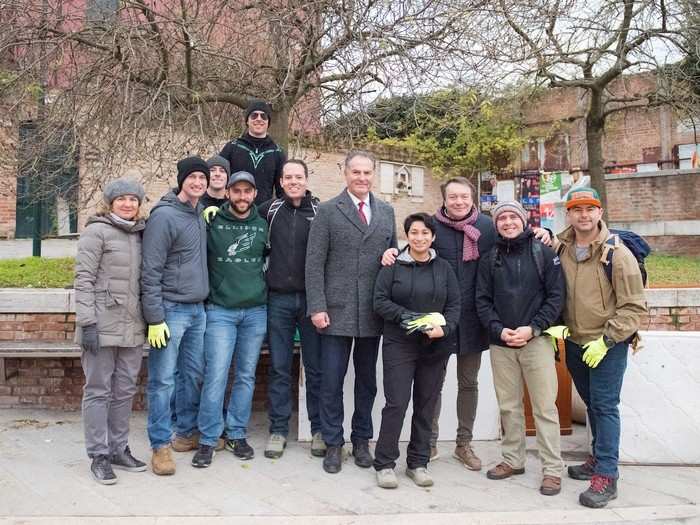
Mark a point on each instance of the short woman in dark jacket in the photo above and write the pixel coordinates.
(110, 327)
(419, 283)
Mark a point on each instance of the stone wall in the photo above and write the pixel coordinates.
(57, 383)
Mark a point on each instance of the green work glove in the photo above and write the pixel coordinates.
(426, 322)
(209, 213)
(158, 335)
(557, 332)
(594, 352)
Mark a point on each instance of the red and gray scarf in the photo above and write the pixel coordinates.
(470, 247)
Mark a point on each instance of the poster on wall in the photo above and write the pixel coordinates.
(530, 195)
(488, 202)
(547, 215)
(532, 207)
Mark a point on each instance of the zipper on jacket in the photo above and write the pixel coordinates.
(294, 237)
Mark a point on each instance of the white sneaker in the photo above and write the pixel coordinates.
(386, 478)
(420, 476)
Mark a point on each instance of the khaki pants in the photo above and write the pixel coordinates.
(535, 364)
(467, 398)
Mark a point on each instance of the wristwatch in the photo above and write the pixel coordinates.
(609, 343)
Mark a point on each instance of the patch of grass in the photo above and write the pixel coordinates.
(672, 270)
(36, 272)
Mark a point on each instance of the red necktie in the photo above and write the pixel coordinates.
(361, 213)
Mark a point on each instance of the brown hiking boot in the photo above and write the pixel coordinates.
(162, 462)
(503, 470)
(220, 445)
(185, 444)
(466, 456)
(551, 485)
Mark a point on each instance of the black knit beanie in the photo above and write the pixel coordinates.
(258, 105)
(189, 165)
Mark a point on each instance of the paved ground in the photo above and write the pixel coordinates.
(49, 248)
(44, 479)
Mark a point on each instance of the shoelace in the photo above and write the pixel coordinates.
(599, 483)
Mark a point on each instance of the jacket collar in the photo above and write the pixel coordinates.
(568, 237)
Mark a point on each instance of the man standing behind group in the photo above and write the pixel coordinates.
(174, 283)
(256, 153)
(289, 221)
(347, 239)
(236, 319)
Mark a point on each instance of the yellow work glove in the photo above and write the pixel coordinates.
(209, 213)
(158, 335)
(426, 322)
(594, 352)
(557, 332)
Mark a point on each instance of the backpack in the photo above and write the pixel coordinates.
(634, 243)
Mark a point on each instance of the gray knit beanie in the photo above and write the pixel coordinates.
(218, 160)
(512, 206)
(123, 186)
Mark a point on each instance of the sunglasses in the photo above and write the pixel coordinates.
(258, 115)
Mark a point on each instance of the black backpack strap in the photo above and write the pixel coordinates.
(612, 242)
(538, 255)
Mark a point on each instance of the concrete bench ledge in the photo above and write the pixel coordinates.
(59, 300)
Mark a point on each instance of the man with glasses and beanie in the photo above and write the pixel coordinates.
(256, 153)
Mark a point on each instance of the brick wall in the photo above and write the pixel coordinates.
(57, 383)
(659, 198)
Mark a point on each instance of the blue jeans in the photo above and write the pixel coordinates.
(335, 355)
(233, 335)
(287, 311)
(184, 354)
(600, 390)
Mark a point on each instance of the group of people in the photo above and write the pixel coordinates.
(221, 264)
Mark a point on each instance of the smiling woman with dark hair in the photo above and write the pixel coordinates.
(418, 298)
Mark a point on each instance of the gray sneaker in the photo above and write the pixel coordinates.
(420, 476)
(275, 446)
(318, 446)
(386, 478)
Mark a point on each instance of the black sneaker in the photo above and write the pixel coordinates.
(102, 470)
(584, 471)
(333, 461)
(240, 448)
(125, 461)
(203, 456)
(363, 458)
(602, 490)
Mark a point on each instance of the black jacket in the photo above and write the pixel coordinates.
(448, 243)
(261, 157)
(510, 292)
(207, 200)
(422, 287)
(289, 234)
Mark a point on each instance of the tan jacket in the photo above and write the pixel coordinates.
(594, 305)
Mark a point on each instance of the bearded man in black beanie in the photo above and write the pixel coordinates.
(174, 284)
(256, 153)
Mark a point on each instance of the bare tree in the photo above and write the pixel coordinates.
(589, 45)
(143, 79)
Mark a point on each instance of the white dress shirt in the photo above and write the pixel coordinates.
(366, 209)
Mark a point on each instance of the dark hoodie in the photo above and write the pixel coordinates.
(236, 250)
(261, 157)
(422, 287)
(289, 235)
(174, 263)
(509, 291)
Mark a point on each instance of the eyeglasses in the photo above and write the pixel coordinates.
(258, 115)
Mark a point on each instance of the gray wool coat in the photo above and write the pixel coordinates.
(107, 275)
(343, 258)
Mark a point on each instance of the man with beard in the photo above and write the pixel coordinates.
(256, 153)
(236, 319)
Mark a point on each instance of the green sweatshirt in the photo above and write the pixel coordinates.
(235, 256)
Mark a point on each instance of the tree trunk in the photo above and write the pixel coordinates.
(595, 125)
(279, 127)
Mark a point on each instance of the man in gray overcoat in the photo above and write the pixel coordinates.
(346, 242)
